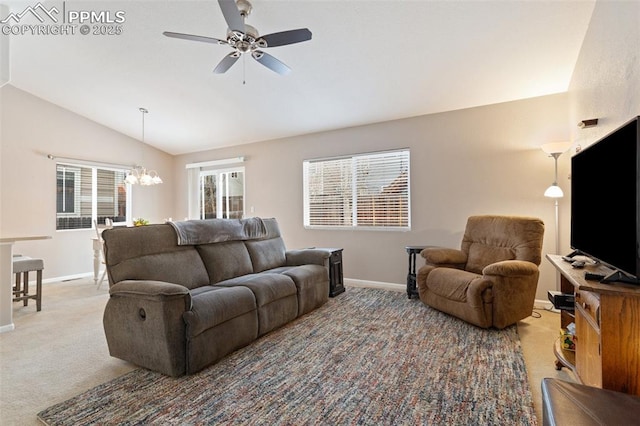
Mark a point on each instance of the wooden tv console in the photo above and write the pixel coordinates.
(607, 337)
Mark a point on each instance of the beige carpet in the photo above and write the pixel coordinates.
(56, 353)
(60, 352)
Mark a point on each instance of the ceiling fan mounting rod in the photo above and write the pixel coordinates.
(245, 7)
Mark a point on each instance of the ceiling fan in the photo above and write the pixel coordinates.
(244, 38)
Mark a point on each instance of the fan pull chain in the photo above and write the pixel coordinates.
(244, 69)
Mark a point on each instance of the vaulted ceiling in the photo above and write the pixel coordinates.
(368, 61)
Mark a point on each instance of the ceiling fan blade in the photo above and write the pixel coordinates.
(194, 37)
(270, 62)
(232, 15)
(287, 37)
(226, 63)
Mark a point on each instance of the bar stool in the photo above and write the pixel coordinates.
(22, 265)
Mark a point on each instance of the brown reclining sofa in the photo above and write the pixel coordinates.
(185, 294)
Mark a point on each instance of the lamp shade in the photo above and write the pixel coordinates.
(556, 147)
(554, 191)
(131, 179)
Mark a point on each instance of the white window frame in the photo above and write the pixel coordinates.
(76, 167)
(195, 172)
(403, 156)
(76, 184)
(219, 194)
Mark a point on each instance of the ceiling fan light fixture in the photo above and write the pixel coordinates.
(244, 38)
(261, 43)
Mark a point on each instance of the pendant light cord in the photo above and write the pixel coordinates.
(143, 111)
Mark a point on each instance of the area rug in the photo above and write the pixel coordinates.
(367, 357)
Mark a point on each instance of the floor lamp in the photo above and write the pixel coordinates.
(555, 150)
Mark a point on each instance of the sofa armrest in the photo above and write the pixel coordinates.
(511, 268)
(307, 256)
(152, 290)
(143, 324)
(514, 290)
(477, 291)
(444, 257)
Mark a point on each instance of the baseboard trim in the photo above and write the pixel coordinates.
(8, 327)
(351, 282)
(66, 278)
(543, 304)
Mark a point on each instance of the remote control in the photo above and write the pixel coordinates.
(593, 276)
(578, 264)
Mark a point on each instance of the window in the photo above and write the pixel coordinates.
(360, 191)
(222, 194)
(87, 193)
(216, 189)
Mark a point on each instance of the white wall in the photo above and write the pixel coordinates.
(32, 128)
(606, 80)
(473, 161)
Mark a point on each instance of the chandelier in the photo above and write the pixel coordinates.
(139, 174)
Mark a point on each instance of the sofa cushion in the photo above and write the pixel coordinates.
(211, 305)
(183, 267)
(449, 283)
(196, 232)
(267, 254)
(266, 287)
(481, 255)
(276, 298)
(221, 320)
(224, 261)
(490, 238)
(151, 253)
(312, 282)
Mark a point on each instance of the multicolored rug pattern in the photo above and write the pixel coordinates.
(367, 357)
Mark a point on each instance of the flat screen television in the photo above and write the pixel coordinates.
(605, 203)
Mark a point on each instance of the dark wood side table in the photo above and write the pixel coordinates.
(412, 290)
(336, 279)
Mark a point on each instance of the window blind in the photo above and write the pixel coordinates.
(85, 194)
(362, 191)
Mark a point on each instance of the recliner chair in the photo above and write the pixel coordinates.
(491, 281)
